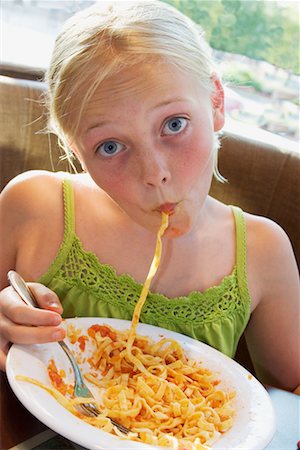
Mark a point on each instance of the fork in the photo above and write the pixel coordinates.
(80, 388)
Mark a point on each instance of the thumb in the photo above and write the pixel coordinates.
(45, 298)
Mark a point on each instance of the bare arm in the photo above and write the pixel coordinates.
(273, 333)
(18, 322)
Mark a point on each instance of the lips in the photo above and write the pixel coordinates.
(167, 208)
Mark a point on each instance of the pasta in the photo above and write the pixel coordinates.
(152, 388)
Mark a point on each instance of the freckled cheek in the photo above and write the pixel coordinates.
(115, 184)
(194, 160)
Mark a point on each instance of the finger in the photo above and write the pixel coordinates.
(17, 311)
(20, 334)
(46, 298)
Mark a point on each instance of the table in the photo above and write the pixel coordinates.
(17, 424)
(287, 411)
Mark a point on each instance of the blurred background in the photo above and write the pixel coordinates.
(255, 41)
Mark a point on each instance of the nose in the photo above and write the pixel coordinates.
(154, 169)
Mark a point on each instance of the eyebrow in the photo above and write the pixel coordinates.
(159, 105)
(170, 101)
(96, 125)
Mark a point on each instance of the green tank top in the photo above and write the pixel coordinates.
(88, 288)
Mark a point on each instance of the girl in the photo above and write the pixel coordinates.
(135, 95)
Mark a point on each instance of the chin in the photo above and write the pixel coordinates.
(180, 224)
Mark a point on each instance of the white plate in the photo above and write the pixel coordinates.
(254, 422)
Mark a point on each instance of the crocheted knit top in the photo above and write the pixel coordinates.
(88, 288)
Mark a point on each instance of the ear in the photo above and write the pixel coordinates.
(217, 99)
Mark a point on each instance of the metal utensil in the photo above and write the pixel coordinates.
(80, 388)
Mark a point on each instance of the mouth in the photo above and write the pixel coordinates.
(167, 208)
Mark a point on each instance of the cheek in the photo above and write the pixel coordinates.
(196, 157)
(115, 183)
(110, 183)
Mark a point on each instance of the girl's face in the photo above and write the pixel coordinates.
(147, 139)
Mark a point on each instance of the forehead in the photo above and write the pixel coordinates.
(144, 82)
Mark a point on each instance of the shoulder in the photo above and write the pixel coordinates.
(25, 206)
(27, 182)
(36, 194)
(30, 191)
(270, 255)
(37, 188)
(266, 236)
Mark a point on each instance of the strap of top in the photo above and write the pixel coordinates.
(240, 227)
(69, 233)
(69, 210)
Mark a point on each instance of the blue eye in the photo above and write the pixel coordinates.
(110, 148)
(175, 125)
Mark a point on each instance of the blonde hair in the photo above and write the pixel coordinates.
(100, 41)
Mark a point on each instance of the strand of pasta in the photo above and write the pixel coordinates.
(144, 293)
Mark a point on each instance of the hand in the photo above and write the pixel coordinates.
(21, 324)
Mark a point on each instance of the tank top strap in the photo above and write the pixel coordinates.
(69, 233)
(69, 210)
(241, 250)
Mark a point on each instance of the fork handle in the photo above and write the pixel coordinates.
(77, 373)
(20, 286)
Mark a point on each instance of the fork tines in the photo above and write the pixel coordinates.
(120, 427)
(92, 410)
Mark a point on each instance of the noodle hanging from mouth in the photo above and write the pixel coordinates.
(145, 290)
